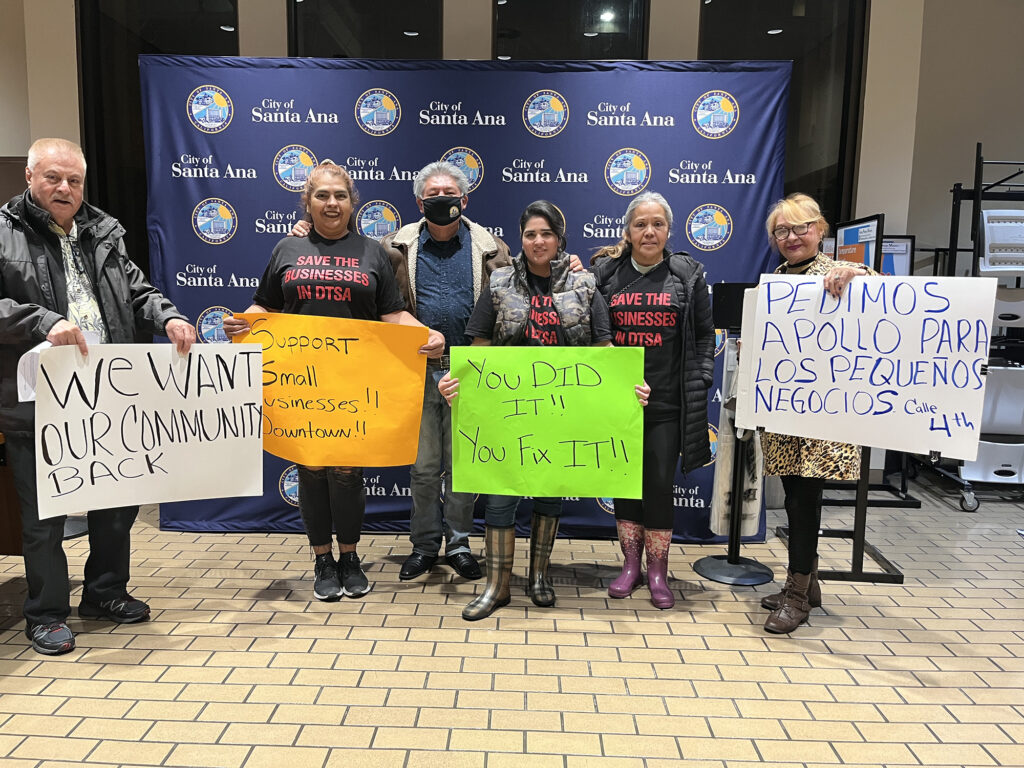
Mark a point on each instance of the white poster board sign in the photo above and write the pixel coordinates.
(895, 363)
(140, 424)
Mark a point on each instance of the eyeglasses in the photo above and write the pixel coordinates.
(781, 233)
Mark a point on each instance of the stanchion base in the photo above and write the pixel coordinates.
(745, 572)
(75, 526)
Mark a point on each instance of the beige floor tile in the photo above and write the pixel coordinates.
(293, 757)
(744, 728)
(516, 761)
(538, 742)
(796, 750)
(130, 752)
(716, 749)
(53, 748)
(176, 731)
(422, 759)
(889, 754)
(39, 725)
(103, 728)
(348, 736)
(262, 733)
(388, 737)
(487, 740)
(207, 756)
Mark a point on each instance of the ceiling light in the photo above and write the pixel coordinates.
(774, 31)
(607, 16)
(227, 27)
(502, 2)
(504, 58)
(411, 33)
(590, 34)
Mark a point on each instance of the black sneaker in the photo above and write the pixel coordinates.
(326, 585)
(123, 610)
(353, 580)
(51, 639)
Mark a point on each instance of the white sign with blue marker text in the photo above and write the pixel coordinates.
(895, 362)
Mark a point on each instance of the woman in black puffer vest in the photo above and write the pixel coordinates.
(659, 300)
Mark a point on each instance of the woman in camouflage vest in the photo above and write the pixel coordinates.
(537, 301)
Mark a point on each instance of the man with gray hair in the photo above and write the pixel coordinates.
(64, 270)
(442, 262)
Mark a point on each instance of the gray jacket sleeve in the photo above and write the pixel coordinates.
(22, 323)
(150, 308)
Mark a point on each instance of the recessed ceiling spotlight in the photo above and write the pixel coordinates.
(590, 34)
(411, 33)
(607, 16)
(502, 2)
(504, 58)
(227, 27)
(774, 31)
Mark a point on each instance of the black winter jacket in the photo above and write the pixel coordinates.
(33, 293)
(698, 337)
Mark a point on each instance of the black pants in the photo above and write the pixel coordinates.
(332, 499)
(42, 541)
(803, 510)
(661, 457)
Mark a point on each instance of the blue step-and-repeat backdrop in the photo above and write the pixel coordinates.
(229, 142)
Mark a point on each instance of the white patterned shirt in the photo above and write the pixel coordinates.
(83, 308)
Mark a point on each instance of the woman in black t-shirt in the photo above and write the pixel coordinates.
(333, 272)
(537, 301)
(659, 301)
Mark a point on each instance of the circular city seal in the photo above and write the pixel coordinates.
(210, 109)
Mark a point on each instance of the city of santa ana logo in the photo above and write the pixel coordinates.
(378, 112)
(627, 171)
(467, 161)
(210, 325)
(210, 108)
(709, 227)
(545, 114)
(606, 504)
(292, 166)
(377, 219)
(214, 221)
(288, 485)
(715, 114)
(721, 337)
(713, 438)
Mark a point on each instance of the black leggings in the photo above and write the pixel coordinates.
(332, 499)
(661, 456)
(803, 510)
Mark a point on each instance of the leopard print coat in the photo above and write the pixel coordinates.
(804, 456)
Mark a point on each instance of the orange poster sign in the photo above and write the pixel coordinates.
(339, 392)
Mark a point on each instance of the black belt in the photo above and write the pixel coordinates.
(443, 362)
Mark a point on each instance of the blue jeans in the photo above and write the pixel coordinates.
(501, 510)
(431, 521)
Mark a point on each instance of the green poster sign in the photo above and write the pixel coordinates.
(548, 421)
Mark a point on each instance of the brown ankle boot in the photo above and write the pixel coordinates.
(795, 607)
(772, 602)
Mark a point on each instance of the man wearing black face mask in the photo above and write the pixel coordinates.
(442, 262)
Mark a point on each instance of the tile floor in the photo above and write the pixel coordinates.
(240, 667)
